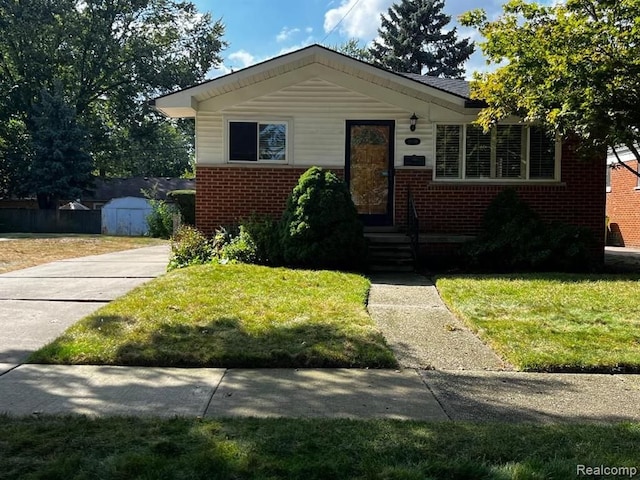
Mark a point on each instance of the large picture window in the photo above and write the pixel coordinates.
(258, 141)
(506, 152)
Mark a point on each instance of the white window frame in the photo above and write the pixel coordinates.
(494, 179)
(287, 122)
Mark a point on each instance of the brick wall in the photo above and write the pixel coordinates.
(623, 207)
(457, 208)
(227, 194)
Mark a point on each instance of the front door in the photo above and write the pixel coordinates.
(369, 169)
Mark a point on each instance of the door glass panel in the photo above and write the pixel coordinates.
(369, 180)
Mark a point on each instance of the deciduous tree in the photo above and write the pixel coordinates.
(110, 56)
(574, 67)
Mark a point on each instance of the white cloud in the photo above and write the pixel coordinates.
(292, 48)
(286, 33)
(308, 30)
(361, 17)
(243, 58)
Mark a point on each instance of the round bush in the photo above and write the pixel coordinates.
(320, 227)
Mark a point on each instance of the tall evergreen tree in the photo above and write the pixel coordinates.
(415, 40)
(61, 166)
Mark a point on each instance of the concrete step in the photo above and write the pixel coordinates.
(391, 268)
(389, 251)
(388, 237)
(401, 257)
(381, 229)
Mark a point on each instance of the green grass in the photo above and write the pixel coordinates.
(119, 448)
(231, 316)
(553, 322)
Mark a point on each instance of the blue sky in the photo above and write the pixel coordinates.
(260, 29)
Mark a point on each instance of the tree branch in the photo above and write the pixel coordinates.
(620, 162)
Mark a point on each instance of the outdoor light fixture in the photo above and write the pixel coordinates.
(414, 120)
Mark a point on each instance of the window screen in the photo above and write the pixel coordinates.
(273, 141)
(509, 157)
(542, 153)
(478, 154)
(448, 149)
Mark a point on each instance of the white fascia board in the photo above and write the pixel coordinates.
(623, 152)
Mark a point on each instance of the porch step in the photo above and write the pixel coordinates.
(389, 252)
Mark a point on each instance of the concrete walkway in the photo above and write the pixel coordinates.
(447, 374)
(37, 304)
(420, 329)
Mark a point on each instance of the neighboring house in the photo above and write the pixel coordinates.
(258, 129)
(107, 189)
(623, 199)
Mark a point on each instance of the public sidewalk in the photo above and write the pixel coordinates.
(409, 394)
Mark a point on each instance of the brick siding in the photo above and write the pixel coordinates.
(458, 208)
(623, 207)
(227, 194)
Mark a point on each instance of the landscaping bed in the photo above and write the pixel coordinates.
(552, 322)
(231, 315)
(115, 448)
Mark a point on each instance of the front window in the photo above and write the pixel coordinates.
(512, 152)
(258, 141)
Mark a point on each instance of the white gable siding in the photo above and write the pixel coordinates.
(317, 111)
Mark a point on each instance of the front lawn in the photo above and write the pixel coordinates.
(231, 316)
(552, 322)
(117, 448)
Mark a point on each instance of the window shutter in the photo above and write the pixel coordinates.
(509, 157)
(243, 141)
(542, 153)
(478, 157)
(448, 151)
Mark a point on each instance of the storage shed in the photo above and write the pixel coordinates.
(126, 216)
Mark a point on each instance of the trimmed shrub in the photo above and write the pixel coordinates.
(186, 202)
(514, 238)
(265, 232)
(189, 247)
(320, 226)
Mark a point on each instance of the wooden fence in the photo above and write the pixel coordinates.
(50, 221)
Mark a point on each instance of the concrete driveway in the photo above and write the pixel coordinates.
(37, 304)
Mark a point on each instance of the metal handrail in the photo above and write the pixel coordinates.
(413, 226)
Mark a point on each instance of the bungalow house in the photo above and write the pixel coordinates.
(391, 136)
(623, 199)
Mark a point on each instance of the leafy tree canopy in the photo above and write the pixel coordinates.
(415, 38)
(573, 66)
(109, 56)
